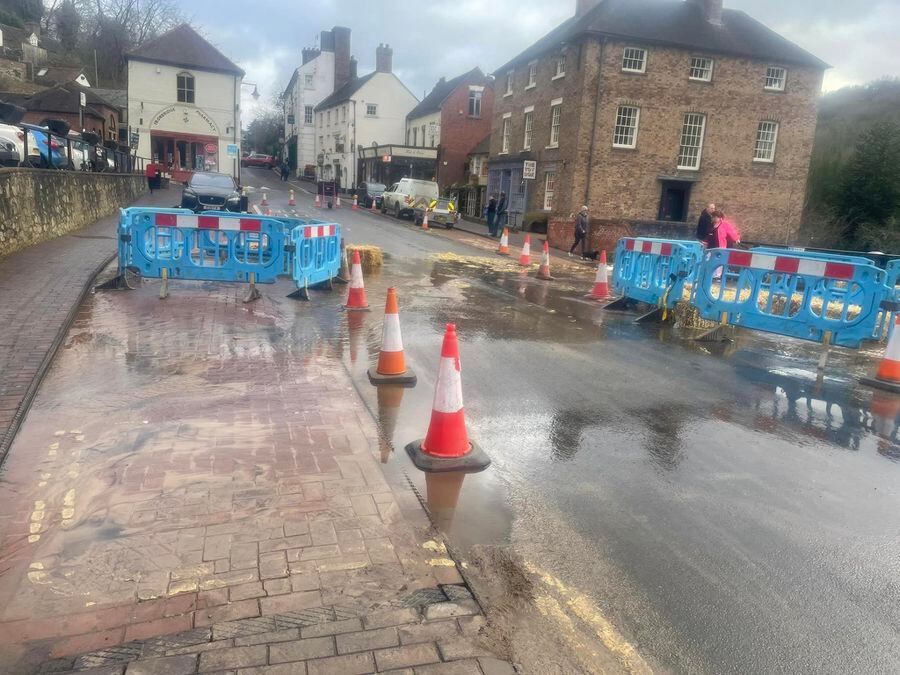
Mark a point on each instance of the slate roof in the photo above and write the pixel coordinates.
(116, 98)
(61, 99)
(676, 23)
(345, 92)
(483, 147)
(433, 101)
(183, 46)
(57, 74)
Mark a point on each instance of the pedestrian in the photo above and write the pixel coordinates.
(150, 171)
(285, 170)
(723, 233)
(581, 230)
(501, 214)
(704, 224)
(491, 213)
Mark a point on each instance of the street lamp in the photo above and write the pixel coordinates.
(255, 93)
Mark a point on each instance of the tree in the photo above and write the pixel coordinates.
(24, 10)
(67, 22)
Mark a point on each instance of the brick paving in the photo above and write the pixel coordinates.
(196, 489)
(39, 286)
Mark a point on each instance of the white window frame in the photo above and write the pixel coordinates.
(308, 114)
(475, 95)
(549, 189)
(764, 143)
(510, 74)
(328, 117)
(617, 135)
(689, 122)
(780, 83)
(555, 122)
(528, 114)
(504, 133)
(630, 54)
(532, 75)
(309, 81)
(371, 110)
(560, 66)
(343, 114)
(697, 68)
(415, 140)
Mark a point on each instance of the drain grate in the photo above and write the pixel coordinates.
(423, 596)
(110, 656)
(304, 617)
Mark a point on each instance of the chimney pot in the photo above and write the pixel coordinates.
(384, 57)
(712, 10)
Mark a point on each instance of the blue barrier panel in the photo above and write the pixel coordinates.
(802, 296)
(655, 270)
(317, 253)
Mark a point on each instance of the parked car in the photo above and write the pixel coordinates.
(258, 159)
(441, 211)
(37, 146)
(207, 190)
(9, 151)
(401, 198)
(368, 193)
(309, 172)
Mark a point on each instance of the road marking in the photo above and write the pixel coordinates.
(585, 610)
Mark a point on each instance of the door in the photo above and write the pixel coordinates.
(674, 201)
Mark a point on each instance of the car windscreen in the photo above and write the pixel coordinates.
(202, 180)
(443, 204)
(375, 187)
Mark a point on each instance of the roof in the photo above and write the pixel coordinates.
(432, 102)
(677, 23)
(57, 74)
(183, 46)
(345, 92)
(117, 98)
(483, 147)
(61, 99)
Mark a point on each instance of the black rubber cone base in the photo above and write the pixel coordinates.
(472, 462)
(880, 384)
(407, 378)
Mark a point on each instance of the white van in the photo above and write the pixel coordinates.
(401, 198)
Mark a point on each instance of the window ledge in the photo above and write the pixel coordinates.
(531, 86)
(634, 72)
(509, 93)
(552, 146)
(773, 90)
(688, 168)
(503, 153)
(558, 77)
(763, 161)
(700, 80)
(624, 147)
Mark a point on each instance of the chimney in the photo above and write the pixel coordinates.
(384, 59)
(353, 68)
(712, 10)
(341, 56)
(326, 41)
(582, 7)
(309, 53)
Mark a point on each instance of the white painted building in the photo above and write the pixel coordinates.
(367, 111)
(184, 104)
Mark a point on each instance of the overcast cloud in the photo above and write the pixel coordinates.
(448, 37)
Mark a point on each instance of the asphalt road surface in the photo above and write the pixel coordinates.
(722, 508)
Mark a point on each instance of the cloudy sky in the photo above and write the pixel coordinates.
(448, 37)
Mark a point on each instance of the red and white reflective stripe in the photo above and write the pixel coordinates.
(601, 274)
(526, 248)
(390, 337)
(651, 247)
(312, 231)
(356, 277)
(504, 240)
(791, 265)
(892, 353)
(207, 222)
(448, 391)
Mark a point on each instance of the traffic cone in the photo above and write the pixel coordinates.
(318, 201)
(356, 299)
(265, 199)
(525, 257)
(504, 242)
(446, 446)
(291, 200)
(544, 269)
(337, 201)
(888, 374)
(374, 210)
(425, 220)
(343, 276)
(390, 396)
(601, 283)
(391, 366)
(885, 408)
(355, 203)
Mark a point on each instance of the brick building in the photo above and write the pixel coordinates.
(99, 116)
(453, 118)
(645, 110)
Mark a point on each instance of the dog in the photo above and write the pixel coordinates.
(590, 255)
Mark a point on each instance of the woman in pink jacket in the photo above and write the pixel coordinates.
(723, 233)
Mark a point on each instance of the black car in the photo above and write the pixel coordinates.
(211, 191)
(369, 192)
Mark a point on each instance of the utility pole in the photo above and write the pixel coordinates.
(96, 72)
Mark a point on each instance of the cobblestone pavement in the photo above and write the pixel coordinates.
(202, 469)
(39, 286)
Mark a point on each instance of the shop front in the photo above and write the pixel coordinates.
(182, 154)
(387, 164)
(506, 176)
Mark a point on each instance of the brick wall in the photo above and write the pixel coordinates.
(12, 69)
(461, 133)
(36, 205)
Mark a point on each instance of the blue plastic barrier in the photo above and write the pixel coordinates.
(792, 293)
(317, 253)
(655, 271)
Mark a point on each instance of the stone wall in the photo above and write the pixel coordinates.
(603, 235)
(36, 204)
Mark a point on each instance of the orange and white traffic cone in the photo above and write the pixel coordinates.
(544, 269)
(265, 199)
(601, 282)
(373, 209)
(291, 200)
(888, 374)
(318, 201)
(356, 298)
(337, 201)
(355, 203)
(525, 257)
(391, 368)
(504, 242)
(425, 220)
(446, 446)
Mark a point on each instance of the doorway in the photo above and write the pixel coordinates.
(674, 201)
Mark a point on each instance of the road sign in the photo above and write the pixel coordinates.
(211, 148)
(232, 150)
(529, 169)
(134, 139)
(290, 119)
(82, 99)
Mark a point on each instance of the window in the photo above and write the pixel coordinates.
(560, 66)
(701, 69)
(691, 141)
(509, 83)
(408, 135)
(321, 118)
(529, 127)
(371, 110)
(308, 115)
(321, 144)
(475, 167)
(344, 114)
(775, 77)
(555, 114)
(532, 74)
(549, 190)
(625, 133)
(329, 118)
(504, 137)
(766, 139)
(309, 81)
(634, 60)
(415, 136)
(484, 167)
(185, 88)
(423, 135)
(474, 103)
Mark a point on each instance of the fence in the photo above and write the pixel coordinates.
(655, 271)
(317, 254)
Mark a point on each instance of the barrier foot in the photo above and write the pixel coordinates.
(164, 288)
(653, 316)
(120, 282)
(472, 462)
(406, 379)
(893, 387)
(301, 293)
(327, 285)
(717, 334)
(253, 292)
(620, 304)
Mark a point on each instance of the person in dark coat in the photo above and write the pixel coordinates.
(581, 231)
(704, 225)
(491, 213)
(285, 170)
(501, 214)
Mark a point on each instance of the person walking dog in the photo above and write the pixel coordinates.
(581, 230)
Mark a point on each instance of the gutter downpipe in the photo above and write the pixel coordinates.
(590, 160)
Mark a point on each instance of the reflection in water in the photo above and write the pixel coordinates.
(355, 324)
(567, 429)
(442, 495)
(663, 424)
(390, 396)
